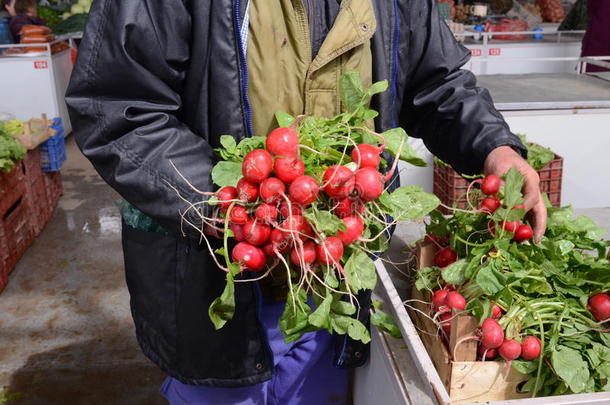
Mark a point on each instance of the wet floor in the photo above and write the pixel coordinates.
(66, 335)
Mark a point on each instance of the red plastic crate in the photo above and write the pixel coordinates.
(38, 194)
(451, 188)
(16, 234)
(12, 187)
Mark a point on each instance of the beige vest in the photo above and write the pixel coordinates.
(283, 75)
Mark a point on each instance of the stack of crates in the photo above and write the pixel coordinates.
(16, 233)
(53, 150)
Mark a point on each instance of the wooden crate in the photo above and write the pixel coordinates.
(466, 379)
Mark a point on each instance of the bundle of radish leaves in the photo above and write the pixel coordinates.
(543, 307)
(311, 200)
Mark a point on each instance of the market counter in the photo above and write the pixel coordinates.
(400, 372)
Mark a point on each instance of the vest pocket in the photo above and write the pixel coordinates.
(151, 261)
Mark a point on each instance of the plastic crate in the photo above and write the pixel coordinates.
(16, 234)
(53, 153)
(38, 192)
(451, 188)
(12, 187)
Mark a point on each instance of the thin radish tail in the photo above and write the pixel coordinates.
(462, 340)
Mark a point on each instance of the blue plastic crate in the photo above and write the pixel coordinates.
(53, 150)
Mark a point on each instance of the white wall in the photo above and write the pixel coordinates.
(582, 139)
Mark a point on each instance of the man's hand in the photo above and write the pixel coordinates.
(499, 161)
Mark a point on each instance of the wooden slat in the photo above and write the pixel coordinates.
(484, 382)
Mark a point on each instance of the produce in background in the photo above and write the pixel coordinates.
(312, 202)
(543, 307)
(10, 150)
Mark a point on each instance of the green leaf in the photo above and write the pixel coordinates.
(525, 367)
(222, 308)
(455, 272)
(490, 280)
(295, 318)
(249, 144)
(325, 222)
(378, 305)
(347, 325)
(284, 119)
(409, 202)
(360, 272)
(320, 318)
(378, 87)
(394, 137)
(513, 184)
(386, 323)
(343, 308)
(351, 90)
(226, 173)
(480, 308)
(228, 142)
(427, 278)
(571, 367)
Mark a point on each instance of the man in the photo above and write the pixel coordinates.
(597, 39)
(163, 80)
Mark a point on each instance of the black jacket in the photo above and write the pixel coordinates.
(162, 80)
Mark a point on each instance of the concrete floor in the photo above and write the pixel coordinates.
(66, 335)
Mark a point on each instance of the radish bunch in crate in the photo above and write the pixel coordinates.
(542, 307)
(313, 201)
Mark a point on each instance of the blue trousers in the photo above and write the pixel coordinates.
(303, 374)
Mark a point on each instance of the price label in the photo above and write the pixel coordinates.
(495, 51)
(476, 52)
(41, 64)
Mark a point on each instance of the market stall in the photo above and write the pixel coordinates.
(38, 81)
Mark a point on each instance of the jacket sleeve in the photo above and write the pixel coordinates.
(442, 104)
(125, 106)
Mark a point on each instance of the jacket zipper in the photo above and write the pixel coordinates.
(243, 69)
(249, 132)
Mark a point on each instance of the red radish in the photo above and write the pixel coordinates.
(247, 192)
(523, 233)
(238, 232)
(530, 348)
(225, 195)
(492, 335)
(296, 209)
(267, 213)
(445, 257)
(209, 230)
(490, 184)
(268, 249)
(439, 299)
(304, 190)
(339, 181)
(256, 232)
(330, 250)
(369, 183)
(599, 305)
(367, 155)
(354, 228)
(496, 312)
(257, 165)
(445, 319)
(288, 169)
(238, 215)
(489, 354)
(510, 350)
(308, 255)
(455, 300)
(250, 257)
(280, 240)
(283, 141)
(510, 226)
(490, 204)
(296, 224)
(347, 206)
(271, 190)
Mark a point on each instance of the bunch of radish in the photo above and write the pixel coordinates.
(310, 204)
(265, 209)
(542, 307)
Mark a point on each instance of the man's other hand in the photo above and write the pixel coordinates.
(499, 161)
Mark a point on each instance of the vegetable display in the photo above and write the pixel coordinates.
(542, 307)
(10, 149)
(312, 202)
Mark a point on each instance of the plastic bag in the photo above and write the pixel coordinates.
(137, 219)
